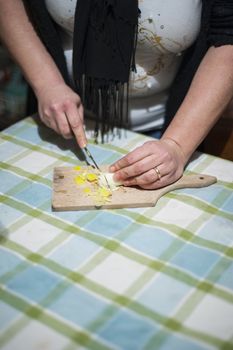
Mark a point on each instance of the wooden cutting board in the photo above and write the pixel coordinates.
(67, 195)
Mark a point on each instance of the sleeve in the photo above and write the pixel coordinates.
(221, 23)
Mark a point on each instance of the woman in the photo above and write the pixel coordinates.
(199, 83)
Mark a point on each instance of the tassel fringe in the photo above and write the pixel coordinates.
(107, 104)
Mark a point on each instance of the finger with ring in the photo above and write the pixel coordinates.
(157, 172)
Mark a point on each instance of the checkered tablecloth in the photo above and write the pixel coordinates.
(145, 278)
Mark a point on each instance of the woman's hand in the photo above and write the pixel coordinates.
(60, 108)
(153, 165)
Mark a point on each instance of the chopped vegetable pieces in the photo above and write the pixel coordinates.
(93, 186)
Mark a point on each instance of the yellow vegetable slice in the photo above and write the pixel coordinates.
(80, 180)
(78, 168)
(104, 192)
(87, 190)
(92, 177)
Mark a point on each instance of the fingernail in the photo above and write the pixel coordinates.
(83, 144)
(116, 177)
(112, 169)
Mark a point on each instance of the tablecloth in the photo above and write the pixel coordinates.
(144, 278)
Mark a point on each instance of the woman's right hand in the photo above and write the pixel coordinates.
(61, 109)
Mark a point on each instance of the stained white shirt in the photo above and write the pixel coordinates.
(166, 29)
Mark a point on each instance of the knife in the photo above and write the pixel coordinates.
(95, 164)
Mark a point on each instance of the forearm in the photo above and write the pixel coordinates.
(210, 92)
(59, 107)
(25, 46)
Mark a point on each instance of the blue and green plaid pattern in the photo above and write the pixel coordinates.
(145, 278)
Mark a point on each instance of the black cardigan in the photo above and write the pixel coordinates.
(216, 30)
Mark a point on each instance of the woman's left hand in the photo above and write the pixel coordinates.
(155, 164)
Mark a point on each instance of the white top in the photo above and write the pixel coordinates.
(166, 29)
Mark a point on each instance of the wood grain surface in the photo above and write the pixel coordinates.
(68, 196)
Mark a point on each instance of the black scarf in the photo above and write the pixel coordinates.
(103, 53)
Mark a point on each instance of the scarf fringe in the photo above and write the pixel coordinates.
(107, 99)
(107, 103)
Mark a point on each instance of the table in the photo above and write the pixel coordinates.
(145, 278)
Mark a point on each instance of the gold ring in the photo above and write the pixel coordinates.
(157, 172)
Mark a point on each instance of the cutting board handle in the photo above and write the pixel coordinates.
(189, 181)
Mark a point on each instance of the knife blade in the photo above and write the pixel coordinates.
(92, 158)
(95, 164)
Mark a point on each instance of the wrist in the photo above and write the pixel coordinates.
(172, 142)
(40, 86)
(44, 79)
